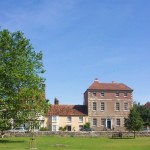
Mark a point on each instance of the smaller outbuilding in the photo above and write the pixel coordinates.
(66, 117)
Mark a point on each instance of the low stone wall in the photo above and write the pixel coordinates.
(76, 134)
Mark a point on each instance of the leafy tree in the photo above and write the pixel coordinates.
(62, 128)
(87, 125)
(144, 113)
(21, 91)
(134, 121)
(4, 123)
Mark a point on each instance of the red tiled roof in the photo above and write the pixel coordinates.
(147, 104)
(108, 86)
(68, 110)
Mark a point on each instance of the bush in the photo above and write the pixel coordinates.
(62, 128)
(87, 125)
(43, 129)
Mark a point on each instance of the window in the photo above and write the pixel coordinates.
(126, 106)
(117, 94)
(117, 122)
(125, 94)
(94, 93)
(68, 128)
(102, 106)
(54, 118)
(94, 122)
(117, 106)
(54, 128)
(103, 121)
(94, 106)
(80, 119)
(81, 127)
(102, 94)
(69, 119)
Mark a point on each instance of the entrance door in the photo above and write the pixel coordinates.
(108, 123)
(68, 128)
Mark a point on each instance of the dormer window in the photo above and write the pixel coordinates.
(117, 94)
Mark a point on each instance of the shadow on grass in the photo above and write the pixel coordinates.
(9, 141)
(123, 138)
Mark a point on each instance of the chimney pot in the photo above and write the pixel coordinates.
(96, 80)
(56, 101)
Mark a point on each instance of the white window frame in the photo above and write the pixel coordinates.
(94, 106)
(102, 106)
(94, 122)
(94, 93)
(102, 94)
(125, 94)
(117, 107)
(80, 118)
(118, 122)
(55, 127)
(117, 94)
(54, 118)
(69, 119)
(103, 121)
(126, 106)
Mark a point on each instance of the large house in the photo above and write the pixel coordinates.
(108, 104)
(105, 107)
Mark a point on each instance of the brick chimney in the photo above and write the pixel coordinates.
(56, 101)
(96, 80)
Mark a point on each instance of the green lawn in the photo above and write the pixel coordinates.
(75, 143)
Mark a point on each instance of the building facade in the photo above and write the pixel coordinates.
(105, 107)
(66, 117)
(108, 104)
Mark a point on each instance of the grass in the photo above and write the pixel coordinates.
(75, 143)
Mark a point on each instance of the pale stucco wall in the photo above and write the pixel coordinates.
(62, 121)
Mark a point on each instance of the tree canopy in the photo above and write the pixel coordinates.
(134, 121)
(21, 80)
(144, 113)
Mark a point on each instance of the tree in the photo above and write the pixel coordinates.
(87, 125)
(21, 91)
(134, 121)
(4, 123)
(144, 113)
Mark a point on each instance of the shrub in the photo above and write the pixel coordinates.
(43, 129)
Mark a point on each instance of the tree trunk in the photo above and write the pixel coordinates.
(134, 134)
(2, 134)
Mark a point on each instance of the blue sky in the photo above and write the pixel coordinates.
(86, 39)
